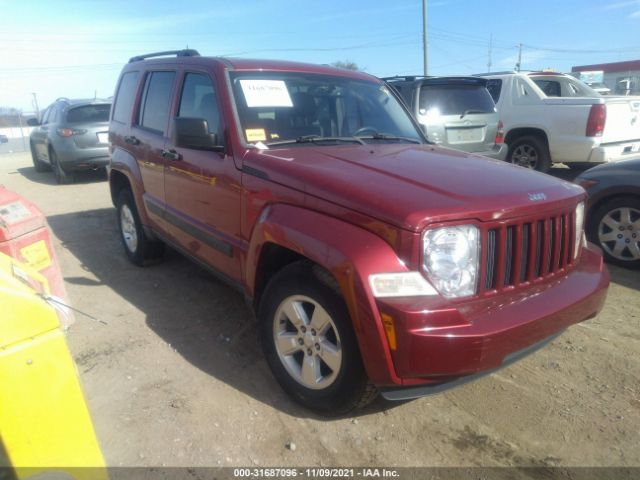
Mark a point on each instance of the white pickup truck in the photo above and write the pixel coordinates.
(554, 118)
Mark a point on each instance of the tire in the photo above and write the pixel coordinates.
(139, 248)
(530, 152)
(38, 164)
(62, 177)
(296, 303)
(615, 227)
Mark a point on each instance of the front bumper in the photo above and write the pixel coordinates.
(615, 152)
(439, 344)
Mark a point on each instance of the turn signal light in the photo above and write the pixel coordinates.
(390, 331)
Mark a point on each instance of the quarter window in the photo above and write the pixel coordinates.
(156, 101)
(125, 96)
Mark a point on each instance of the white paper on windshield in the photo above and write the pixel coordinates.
(266, 93)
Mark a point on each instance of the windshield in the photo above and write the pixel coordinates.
(455, 100)
(286, 108)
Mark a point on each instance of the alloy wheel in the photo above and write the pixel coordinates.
(525, 156)
(128, 226)
(307, 342)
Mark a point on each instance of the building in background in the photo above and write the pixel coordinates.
(623, 78)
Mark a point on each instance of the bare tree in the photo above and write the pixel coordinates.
(346, 64)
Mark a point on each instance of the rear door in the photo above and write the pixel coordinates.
(149, 136)
(202, 186)
(458, 115)
(93, 121)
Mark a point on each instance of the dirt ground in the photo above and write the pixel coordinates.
(176, 376)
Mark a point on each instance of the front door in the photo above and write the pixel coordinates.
(202, 187)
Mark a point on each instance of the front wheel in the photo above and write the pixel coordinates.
(530, 152)
(309, 343)
(139, 248)
(615, 227)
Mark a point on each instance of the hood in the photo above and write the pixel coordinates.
(412, 185)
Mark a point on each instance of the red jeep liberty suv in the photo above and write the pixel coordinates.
(375, 261)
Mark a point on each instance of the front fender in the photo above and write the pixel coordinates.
(351, 254)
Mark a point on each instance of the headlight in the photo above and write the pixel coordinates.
(578, 229)
(451, 259)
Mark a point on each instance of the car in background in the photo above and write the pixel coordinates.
(600, 87)
(72, 135)
(454, 112)
(613, 218)
(551, 117)
(4, 139)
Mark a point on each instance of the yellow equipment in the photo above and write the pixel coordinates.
(45, 426)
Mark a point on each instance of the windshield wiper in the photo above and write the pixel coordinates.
(387, 136)
(317, 139)
(471, 110)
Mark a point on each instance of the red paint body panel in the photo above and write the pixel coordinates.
(358, 210)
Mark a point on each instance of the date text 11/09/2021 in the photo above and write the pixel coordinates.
(315, 472)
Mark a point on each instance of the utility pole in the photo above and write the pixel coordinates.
(490, 46)
(519, 64)
(35, 104)
(425, 38)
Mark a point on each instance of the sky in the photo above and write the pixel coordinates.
(76, 49)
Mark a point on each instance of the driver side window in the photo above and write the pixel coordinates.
(199, 100)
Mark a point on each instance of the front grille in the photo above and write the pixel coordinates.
(519, 252)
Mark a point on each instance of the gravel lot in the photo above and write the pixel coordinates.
(176, 376)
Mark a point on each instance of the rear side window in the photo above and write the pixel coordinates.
(551, 88)
(455, 100)
(89, 113)
(154, 112)
(125, 96)
(494, 87)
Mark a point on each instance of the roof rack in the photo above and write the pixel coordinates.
(404, 77)
(178, 53)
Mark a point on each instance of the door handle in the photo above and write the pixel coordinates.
(131, 140)
(171, 155)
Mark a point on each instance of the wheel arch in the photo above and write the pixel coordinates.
(348, 254)
(519, 132)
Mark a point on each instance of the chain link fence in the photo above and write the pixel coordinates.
(14, 132)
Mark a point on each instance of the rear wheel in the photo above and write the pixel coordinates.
(615, 227)
(309, 343)
(139, 248)
(62, 177)
(530, 152)
(39, 165)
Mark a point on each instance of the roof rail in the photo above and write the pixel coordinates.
(178, 53)
(403, 77)
(504, 72)
(62, 99)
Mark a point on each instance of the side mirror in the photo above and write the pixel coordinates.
(33, 122)
(194, 133)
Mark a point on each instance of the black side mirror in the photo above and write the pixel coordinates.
(33, 122)
(194, 133)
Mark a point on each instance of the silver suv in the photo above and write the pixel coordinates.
(454, 112)
(71, 136)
